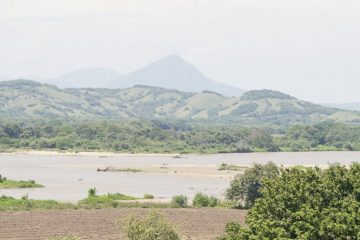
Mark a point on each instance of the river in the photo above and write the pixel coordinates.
(68, 177)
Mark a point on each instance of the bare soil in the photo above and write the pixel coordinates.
(194, 224)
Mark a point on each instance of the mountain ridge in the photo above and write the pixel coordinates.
(30, 99)
(169, 72)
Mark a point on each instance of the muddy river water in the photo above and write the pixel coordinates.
(68, 177)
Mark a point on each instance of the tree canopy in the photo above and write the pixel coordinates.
(305, 203)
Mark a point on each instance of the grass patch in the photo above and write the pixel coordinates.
(12, 204)
(6, 183)
(110, 200)
(226, 167)
(103, 201)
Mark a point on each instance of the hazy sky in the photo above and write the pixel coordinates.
(307, 48)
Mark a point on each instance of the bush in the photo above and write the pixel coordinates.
(148, 196)
(244, 189)
(2, 179)
(92, 192)
(152, 227)
(203, 200)
(200, 200)
(305, 203)
(213, 201)
(180, 201)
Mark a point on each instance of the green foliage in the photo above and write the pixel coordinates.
(92, 192)
(148, 196)
(7, 183)
(43, 101)
(103, 201)
(143, 136)
(244, 188)
(226, 167)
(2, 179)
(305, 203)
(234, 231)
(110, 200)
(179, 201)
(133, 136)
(264, 94)
(203, 200)
(262, 139)
(12, 204)
(324, 135)
(151, 227)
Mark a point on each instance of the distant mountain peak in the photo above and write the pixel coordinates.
(172, 72)
(172, 64)
(173, 57)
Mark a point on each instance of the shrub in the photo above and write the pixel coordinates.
(213, 201)
(200, 200)
(92, 192)
(2, 179)
(244, 188)
(151, 227)
(203, 200)
(305, 203)
(180, 201)
(148, 196)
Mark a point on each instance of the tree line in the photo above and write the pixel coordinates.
(167, 137)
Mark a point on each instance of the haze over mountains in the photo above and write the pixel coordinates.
(30, 99)
(170, 72)
(355, 106)
(87, 78)
(3, 78)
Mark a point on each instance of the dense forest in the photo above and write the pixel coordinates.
(143, 136)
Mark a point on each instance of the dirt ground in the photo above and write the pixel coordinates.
(194, 224)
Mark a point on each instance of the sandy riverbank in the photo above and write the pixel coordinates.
(81, 153)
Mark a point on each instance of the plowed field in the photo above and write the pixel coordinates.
(195, 224)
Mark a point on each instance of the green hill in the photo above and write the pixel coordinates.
(29, 99)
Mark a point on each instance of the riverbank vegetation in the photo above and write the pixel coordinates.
(7, 183)
(304, 203)
(144, 136)
(13, 204)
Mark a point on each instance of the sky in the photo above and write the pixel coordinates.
(306, 48)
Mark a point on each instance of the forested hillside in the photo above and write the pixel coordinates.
(29, 99)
